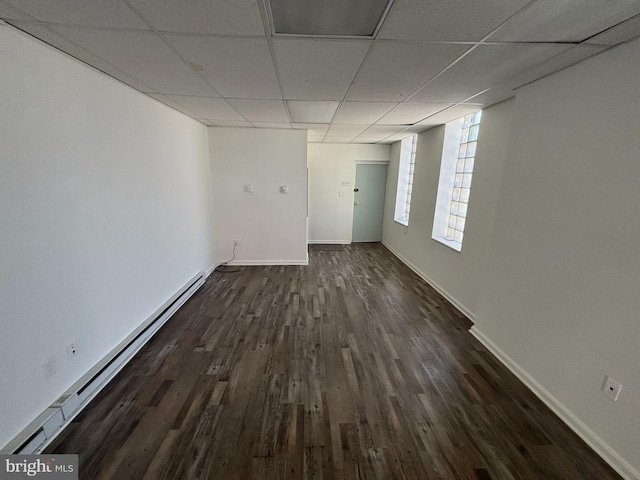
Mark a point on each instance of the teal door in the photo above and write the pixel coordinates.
(371, 182)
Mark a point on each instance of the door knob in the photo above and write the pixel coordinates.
(356, 203)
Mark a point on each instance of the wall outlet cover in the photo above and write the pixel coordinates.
(612, 388)
(72, 349)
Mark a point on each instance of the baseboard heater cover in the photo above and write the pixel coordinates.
(44, 428)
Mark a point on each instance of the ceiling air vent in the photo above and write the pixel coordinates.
(321, 18)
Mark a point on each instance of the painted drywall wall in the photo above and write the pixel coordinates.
(560, 295)
(271, 226)
(105, 212)
(455, 274)
(332, 171)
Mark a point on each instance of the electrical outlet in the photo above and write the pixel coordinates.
(612, 387)
(49, 367)
(72, 349)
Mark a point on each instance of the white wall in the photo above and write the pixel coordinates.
(331, 216)
(560, 296)
(455, 274)
(271, 226)
(105, 212)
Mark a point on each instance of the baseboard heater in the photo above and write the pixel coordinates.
(41, 431)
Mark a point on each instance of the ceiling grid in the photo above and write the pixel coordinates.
(421, 64)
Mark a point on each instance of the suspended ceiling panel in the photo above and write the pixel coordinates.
(318, 129)
(9, 13)
(232, 123)
(394, 70)
(450, 20)
(563, 59)
(218, 62)
(235, 67)
(107, 13)
(346, 130)
(449, 114)
(627, 30)
(382, 130)
(210, 108)
(354, 113)
(313, 69)
(261, 110)
(142, 55)
(303, 111)
(227, 17)
(271, 125)
(495, 94)
(484, 67)
(50, 36)
(566, 21)
(410, 112)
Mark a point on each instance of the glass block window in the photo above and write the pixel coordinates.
(406, 170)
(454, 185)
(463, 176)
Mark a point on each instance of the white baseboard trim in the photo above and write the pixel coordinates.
(258, 263)
(36, 436)
(619, 464)
(330, 242)
(467, 313)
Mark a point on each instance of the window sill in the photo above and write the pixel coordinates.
(457, 246)
(404, 223)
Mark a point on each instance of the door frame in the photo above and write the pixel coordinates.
(364, 162)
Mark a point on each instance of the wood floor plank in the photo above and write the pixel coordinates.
(349, 368)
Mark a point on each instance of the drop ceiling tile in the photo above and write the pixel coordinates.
(397, 137)
(367, 140)
(338, 139)
(142, 55)
(315, 138)
(10, 13)
(495, 94)
(564, 59)
(232, 123)
(382, 130)
(318, 129)
(313, 69)
(484, 67)
(346, 130)
(173, 104)
(210, 108)
(271, 125)
(449, 114)
(409, 113)
(566, 21)
(105, 13)
(232, 17)
(236, 67)
(618, 34)
(206, 122)
(453, 20)
(394, 70)
(355, 113)
(55, 39)
(306, 111)
(261, 110)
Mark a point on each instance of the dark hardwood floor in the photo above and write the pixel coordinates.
(350, 368)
